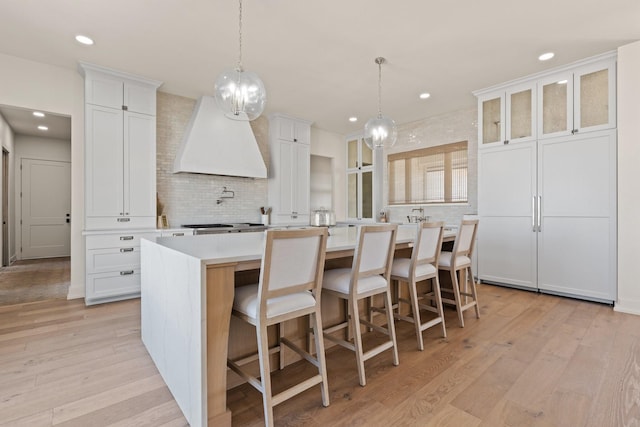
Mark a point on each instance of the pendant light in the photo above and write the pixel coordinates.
(239, 93)
(380, 131)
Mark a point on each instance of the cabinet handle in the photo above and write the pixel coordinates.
(126, 213)
(539, 212)
(533, 213)
(124, 219)
(125, 108)
(126, 273)
(506, 141)
(126, 249)
(126, 237)
(178, 234)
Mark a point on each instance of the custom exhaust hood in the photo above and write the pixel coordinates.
(216, 145)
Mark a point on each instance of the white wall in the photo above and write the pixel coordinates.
(34, 85)
(332, 145)
(628, 178)
(7, 142)
(33, 147)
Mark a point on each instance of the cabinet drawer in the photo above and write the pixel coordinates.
(112, 284)
(119, 240)
(113, 260)
(118, 222)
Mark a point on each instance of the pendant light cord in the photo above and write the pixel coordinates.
(379, 89)
(240, 38)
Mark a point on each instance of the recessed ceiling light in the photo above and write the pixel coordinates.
(353, 119)
(563, 82)
(43, 127)
(425, 95)
(38, 114)
(84, 40)
(546, 56)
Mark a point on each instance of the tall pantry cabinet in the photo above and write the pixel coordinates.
(120, 179)
(547, 194)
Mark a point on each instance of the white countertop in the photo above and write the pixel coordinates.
(236, 247)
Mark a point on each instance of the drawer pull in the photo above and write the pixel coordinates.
(126, 273)
(124, 219)
(178, 234)
(126, 249)
(126, 237)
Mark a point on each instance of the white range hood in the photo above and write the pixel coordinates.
(216, 145)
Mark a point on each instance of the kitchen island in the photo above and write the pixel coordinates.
(186, 300)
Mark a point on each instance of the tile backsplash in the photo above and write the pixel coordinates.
(192, 198)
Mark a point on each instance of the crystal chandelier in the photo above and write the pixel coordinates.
(380, 130)
(239, 93)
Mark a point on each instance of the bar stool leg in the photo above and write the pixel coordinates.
(357, 341)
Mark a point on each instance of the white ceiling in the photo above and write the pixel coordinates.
(316, 58)
(23, 122)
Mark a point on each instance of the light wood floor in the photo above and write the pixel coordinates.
(531, 360)
(35, 280)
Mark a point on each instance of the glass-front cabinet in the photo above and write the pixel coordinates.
(578, 100)
(507, 116)
(359, 179)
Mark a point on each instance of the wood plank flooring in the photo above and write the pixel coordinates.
(530, 360)
(35, 280)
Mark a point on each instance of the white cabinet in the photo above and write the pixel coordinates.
(578, 100)
(289, 169)
(507, 115)
(547, 207)
(113, 265)
(120, 149)
(360, 179)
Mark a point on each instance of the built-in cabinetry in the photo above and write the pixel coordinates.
(360, 179)
(547, 205)
(120, 177)
(289, 170)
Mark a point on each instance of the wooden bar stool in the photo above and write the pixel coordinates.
(423, 265)
(368, 276)
(290, 284)
(459, 261)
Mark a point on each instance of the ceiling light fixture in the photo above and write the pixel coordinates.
(38, 114)
(380, 131)
(240, 94)
(43, 127)
(425, 95)
(353, 119)
(546, 56)
(84, 40)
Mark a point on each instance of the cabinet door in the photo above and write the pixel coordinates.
(577, 238)
(283, 174)
(103, 165)
(301, 178)
(506, 235)
(140, 98)
(595, 91)
(555, 105)
(520, 113)
(104, 90)
(491, 113)
(139, 164)
(285, 129)
(302, 133)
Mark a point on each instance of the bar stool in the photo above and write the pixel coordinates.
(423, 265)
(289, 287)
(459, 261)
(368, 276)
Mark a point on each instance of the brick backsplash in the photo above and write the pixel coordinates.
(437, 130)
(191, 198)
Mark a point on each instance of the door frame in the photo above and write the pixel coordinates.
(6, 256)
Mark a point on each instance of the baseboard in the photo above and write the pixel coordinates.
(75, 292)
(629, 306)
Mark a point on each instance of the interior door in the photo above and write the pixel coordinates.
(45, 208)
(577, 238)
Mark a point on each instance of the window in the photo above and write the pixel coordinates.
(429, 175)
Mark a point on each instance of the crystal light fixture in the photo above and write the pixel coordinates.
(380, 131)
(239, 93)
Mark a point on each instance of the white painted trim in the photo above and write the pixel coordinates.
(75, 292)
(629, 306)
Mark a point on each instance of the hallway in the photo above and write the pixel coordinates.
(35, 280)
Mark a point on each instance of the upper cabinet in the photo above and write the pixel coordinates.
(507, 115)
(289, 169)
(360, 179)
(578, 100)
(565, 101)
(120, 149)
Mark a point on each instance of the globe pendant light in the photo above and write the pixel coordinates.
(239, 93)
(380, 131)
